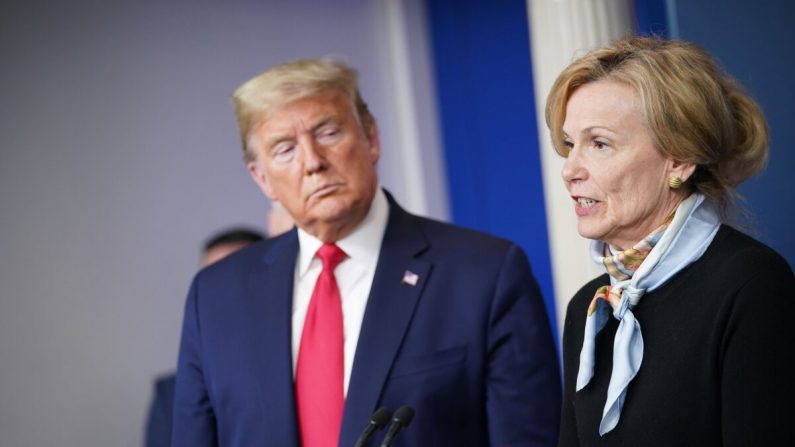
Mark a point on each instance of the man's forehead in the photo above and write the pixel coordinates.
(306, 111)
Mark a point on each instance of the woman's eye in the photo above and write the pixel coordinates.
(600, 144)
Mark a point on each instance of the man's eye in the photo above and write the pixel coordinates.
(328, 134)
(283, 152)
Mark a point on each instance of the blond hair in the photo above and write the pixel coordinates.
(695, 112)
(260, 96)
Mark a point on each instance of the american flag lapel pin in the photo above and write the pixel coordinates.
(410, 278)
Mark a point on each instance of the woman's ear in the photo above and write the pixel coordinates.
(682, 170)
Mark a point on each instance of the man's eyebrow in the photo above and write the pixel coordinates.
(322, 122)
(276, 140)
(285, 137)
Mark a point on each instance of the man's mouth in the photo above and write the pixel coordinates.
(325, 190)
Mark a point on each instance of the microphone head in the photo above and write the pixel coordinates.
(377, 422)
(380, 417)
(403, 415)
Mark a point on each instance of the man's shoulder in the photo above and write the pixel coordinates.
(252, 257)
(439, 232)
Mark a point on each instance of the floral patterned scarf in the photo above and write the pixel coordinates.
(677, 243)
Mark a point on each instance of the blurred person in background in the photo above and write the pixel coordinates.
(687, 339)
(227, 242)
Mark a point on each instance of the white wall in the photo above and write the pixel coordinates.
(119, 156)
(560, 32)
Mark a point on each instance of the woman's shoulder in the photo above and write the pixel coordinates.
(734, 252)
(737, 265)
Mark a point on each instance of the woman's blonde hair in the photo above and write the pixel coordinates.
(695, 112)
(257, 98)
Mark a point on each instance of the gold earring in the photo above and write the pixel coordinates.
(675, 182)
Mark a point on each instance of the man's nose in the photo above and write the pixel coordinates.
(313, 155)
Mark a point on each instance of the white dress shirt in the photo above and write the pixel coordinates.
(354, 277)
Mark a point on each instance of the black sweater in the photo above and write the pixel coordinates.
(719, 345)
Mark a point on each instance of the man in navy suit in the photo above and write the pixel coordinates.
(415, 312)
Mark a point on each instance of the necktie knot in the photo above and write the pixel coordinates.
(330, 255)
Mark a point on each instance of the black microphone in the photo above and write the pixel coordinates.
(377, 422)
(400, 420)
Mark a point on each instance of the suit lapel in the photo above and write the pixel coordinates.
(390, 308)
(270, 291)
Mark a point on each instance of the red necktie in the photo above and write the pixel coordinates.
(320, 370)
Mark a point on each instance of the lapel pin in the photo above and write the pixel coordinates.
(410, 278)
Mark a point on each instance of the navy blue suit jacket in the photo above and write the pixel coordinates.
(469, 346)
(159, 421)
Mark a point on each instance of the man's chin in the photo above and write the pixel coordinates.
(339, 212)
(331, 209)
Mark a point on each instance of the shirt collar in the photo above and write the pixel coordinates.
(362, 245)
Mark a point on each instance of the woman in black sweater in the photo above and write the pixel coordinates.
(686, 340)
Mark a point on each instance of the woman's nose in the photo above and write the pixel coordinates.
(573, 168)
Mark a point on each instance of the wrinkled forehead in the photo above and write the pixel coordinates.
(320, 105)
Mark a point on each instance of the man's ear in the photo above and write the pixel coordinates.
(375, 142)
(258, 175)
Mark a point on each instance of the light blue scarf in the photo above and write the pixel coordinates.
(692, 229)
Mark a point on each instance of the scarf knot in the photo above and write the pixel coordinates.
(633, 294)
(623, 306)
